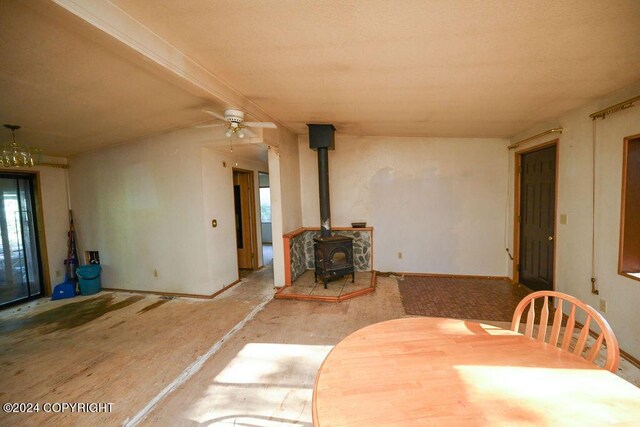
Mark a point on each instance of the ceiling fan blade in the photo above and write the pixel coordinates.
(261, 125)
(214, 114)
(248, 133)
(210, 126)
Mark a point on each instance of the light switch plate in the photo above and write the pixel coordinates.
(564, 219)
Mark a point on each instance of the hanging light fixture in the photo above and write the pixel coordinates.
(235, 128)
(17, 156)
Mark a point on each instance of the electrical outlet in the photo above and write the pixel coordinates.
(155, 272)
(603, 306)
(57, 273)
(399, 255)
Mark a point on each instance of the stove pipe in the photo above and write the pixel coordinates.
(321, 138)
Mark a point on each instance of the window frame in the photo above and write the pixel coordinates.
(625, 164)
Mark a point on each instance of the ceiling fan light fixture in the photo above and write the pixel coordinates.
(233, 119)
(16, 156)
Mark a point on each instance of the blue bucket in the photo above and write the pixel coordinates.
(89, 279)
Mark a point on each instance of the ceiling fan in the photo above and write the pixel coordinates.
(233, 119)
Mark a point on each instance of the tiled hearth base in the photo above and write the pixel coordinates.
(305, 289)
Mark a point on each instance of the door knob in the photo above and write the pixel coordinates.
(550, 238)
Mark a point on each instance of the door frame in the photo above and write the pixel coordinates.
(252, 212)
(41, 241)
(517, 202)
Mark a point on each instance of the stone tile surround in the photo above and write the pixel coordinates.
(301, 249)
(298, 256)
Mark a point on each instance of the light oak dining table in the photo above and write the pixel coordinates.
(436, 371)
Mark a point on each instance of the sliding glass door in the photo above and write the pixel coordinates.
(20, 273)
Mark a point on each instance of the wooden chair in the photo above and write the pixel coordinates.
(580, 345)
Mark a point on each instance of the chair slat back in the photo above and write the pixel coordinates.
(581, 345)
(568, 329)
(557, 323)
(544, 317)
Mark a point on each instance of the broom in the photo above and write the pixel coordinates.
(67, 289)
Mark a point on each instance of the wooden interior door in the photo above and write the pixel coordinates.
(245, 224)
(537, 218)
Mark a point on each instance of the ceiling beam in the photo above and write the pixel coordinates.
(112, 20)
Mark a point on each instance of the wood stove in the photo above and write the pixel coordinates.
(333, 253)
(333, 257)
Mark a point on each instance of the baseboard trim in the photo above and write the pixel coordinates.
(229, 286)
(449, 276)
(175, 294)
(629, 358)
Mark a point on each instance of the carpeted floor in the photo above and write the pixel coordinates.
(460, 298)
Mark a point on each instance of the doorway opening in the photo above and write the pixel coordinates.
(21, 276)
(535, 216)
(265, 218)
(244, 204)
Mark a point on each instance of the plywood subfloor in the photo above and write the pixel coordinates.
(119, 347)
(264, 376)
(261, 376)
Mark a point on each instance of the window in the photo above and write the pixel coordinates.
(265, 204)
(629, 263)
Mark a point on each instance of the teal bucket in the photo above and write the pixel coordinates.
(89, 279)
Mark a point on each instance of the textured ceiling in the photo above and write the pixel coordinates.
(376, 67)
(379, 67)
(73, 88)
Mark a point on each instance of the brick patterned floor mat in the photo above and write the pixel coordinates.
(461, 298)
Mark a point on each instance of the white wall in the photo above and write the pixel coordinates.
(218, 199)
(147, 207)
(573, 240)
(439, 201)
(290, 173)
(55, 209)
(284, 178)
